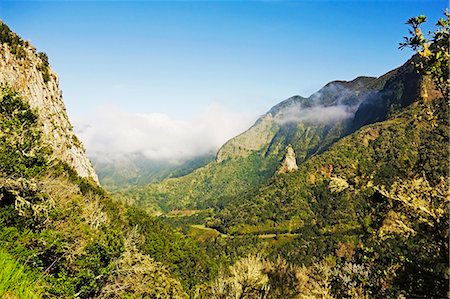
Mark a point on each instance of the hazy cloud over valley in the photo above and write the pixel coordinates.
(111, 133)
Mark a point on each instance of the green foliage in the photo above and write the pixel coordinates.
(138, 276)
(22, 152)
(183, 257)
(16, 281)
(72, 260)
(44, 67)
(86, 185)
(230, 176)
(342, 192)
(15, 43)
(433, 50)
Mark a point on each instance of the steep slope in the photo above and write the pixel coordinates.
(61, 226)
(375, 204)
(61, 235)
(28, 72)
(309, 125)
(379, 153)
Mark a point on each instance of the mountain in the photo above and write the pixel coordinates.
(343, 194)
(361, 212)
(61, 235)
(28, 73)
(374, 205)
(310, 125)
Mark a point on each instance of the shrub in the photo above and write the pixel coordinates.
(22, 152)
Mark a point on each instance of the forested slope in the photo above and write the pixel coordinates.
(61, 235)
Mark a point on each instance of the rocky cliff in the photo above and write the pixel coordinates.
(28, 72)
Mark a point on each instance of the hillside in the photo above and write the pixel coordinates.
(382, 191)
(28, 72)
(309, 125)
(61, 235)
(343, 194)
(366, 217)
(362, 212)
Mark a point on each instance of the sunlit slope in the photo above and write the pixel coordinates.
(61, 235)
(410, 144)
(310, 125)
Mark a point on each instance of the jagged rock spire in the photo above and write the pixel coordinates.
(289, 163)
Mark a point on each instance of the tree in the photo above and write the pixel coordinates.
(432, 49)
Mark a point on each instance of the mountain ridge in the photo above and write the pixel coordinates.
(251, 158)
(364, 213)
(29, 73)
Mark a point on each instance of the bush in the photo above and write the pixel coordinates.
(22, 152)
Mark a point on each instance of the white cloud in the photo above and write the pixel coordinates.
(316, 115)
(113, 133)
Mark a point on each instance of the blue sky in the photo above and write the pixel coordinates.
(177, 58)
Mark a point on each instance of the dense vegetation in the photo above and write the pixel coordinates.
(15, 280)
(365, 215)
(364, 193)
(231, 177)
(72, 235)
(23, 154)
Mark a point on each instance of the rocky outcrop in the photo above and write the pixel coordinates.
(289, 163)
(27, 72)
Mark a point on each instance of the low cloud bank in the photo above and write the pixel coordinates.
(331, 104)
(316, 115)
(111, 133)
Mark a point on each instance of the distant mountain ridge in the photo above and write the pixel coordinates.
(119, 172)
(310, 125)
(365, 99)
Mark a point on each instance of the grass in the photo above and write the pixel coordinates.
(15, 280)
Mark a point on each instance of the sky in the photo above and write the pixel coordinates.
(185, 62)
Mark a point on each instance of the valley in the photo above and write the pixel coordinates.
(342, 194)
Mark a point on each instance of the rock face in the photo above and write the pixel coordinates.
(28, 73)
(289, 163)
